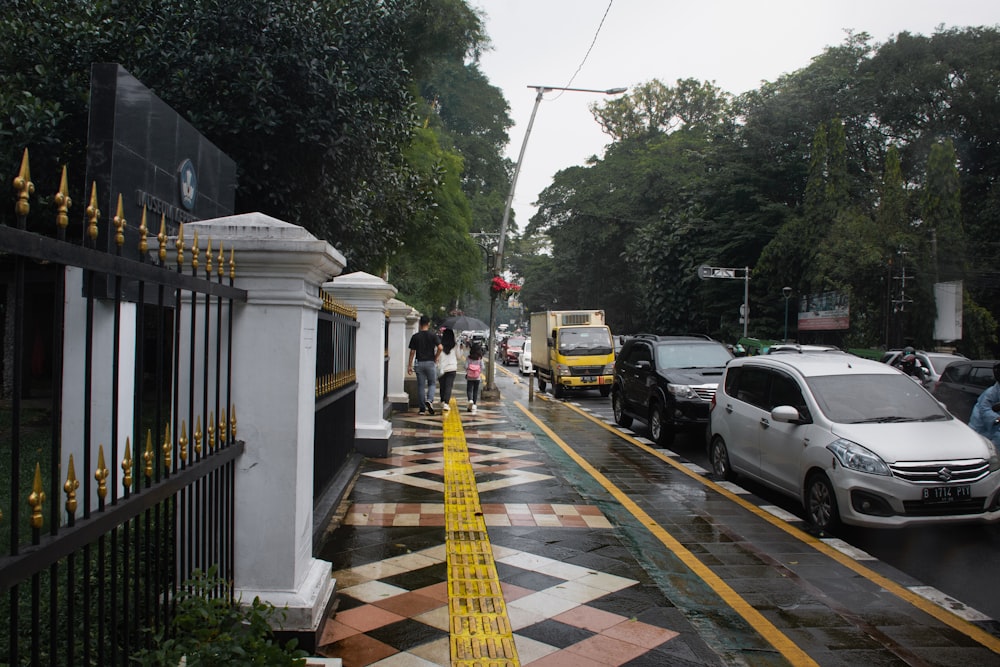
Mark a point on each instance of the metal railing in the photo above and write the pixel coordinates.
(119, 484)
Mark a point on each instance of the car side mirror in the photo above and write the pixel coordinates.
(643, 364)
(787, 414)
(550, 342)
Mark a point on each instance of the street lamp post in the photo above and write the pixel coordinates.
(498, 268)
(787, 292)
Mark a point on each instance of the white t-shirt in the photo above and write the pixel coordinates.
(448, 361)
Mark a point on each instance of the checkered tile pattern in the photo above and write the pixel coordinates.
(399, 607)
(495, 514)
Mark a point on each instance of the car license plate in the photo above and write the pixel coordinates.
(589, 378)
(947, 494)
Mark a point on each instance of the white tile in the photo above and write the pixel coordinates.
(527, 561)
(522, 618)
(574, 591)
(403, 660)
(529, 650)
(438, 554)
(951, 604)
(410, 562)
(606, 582)
(438, 618)
(373, 591)
(543, 603)
(565, 570)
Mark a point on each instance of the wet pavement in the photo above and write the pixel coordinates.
(611, 552)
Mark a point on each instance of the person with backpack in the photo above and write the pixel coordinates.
(473, 375)
(424, 350)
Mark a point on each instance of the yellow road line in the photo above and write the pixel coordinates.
(480, 630)
(767, 630)
(948, 618)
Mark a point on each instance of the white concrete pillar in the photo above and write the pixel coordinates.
(369, 294)
(282, 267)
(398, 342)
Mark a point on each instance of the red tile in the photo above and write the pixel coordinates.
(512, 592)
(367, 617)
(359, 651)
(334, 632)
(607, 650)
(570, 521)
(409, 604)
(565, 659)
(408, 508)
(589, 618)
(640, 634)
(437, 592)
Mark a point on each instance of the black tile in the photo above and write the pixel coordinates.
(425, 576)
(406, 634)
(535, 581)
(555, 633)
(344, 602)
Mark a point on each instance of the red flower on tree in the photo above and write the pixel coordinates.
(499, 286)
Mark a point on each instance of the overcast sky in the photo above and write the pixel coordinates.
(735, 44)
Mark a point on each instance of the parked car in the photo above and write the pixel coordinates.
(854, 440)
(667, 382)
(524, 359)
(961, 384)
(511, 349)
(934, 362)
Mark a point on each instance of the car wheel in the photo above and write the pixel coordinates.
(821, 502)
(558, 390)
(618, 407)
(659, 430)
(605, 391)
(718, 456)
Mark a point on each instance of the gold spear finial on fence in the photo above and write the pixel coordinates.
(63, 202)
(183, 442)
(167, 458)
(70, 487)
(197, 436)
(232, 263)
(93, 213)
(101, 474)
(36, 498)
(222, 427)
(211, 430)
(194, 254)
(161, 238)
(222, 260)
(24, 187)
(179, 245)
(119, 221)
(127, 465)
(149, 454)
(208, 259)
(232, 420)
(143, 232)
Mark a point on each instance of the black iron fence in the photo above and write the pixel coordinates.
(118, 439)
(336, 388)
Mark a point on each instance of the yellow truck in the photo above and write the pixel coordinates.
(572, 349)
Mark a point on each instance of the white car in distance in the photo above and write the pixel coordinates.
(524, 361)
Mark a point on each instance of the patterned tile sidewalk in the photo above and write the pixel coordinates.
(574, 594)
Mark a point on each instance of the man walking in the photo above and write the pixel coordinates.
(424, 346)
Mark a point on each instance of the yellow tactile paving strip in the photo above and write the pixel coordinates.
(480, 630)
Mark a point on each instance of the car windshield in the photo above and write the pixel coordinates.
(681, 355)
(940, 363)
(580, 341)
(515, 343)
(872, 399)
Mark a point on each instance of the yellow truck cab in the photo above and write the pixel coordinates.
(572, 349)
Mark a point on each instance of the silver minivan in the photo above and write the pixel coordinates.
(853, 439)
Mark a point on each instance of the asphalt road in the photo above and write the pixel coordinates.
(962, 561)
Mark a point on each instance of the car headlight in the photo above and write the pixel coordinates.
(994, 456)
(562, 370)
(609, 369)
(855, 457)
(681, 390)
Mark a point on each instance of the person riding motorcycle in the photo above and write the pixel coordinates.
(985, 417)
(910, 364)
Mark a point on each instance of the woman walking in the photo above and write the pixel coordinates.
(473, 375)
(447, 367)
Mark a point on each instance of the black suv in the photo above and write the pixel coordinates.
(667, 382)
